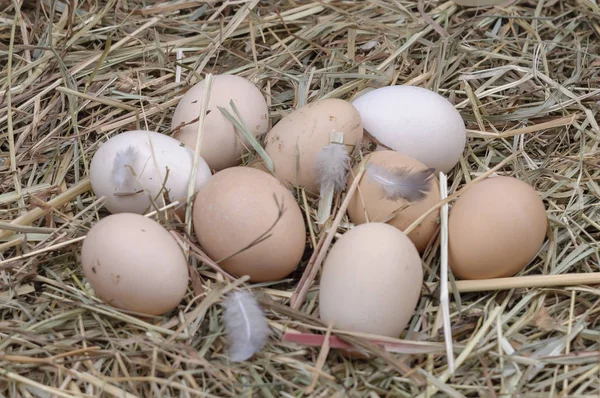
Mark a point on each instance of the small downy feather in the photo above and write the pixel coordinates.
(121, 176)
(402, 182)
(245, 325)
(332, 164)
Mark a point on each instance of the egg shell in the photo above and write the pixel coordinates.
(234, 209)
(495, 229)
(222, 146)
(371, 281)
(416, 122)
(133, 263)
(369, 200)
(155, 154)
(294, 142)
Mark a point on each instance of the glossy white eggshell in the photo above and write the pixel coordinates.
(416, 122)
(155, 154)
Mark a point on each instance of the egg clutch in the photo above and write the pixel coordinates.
(250, 216)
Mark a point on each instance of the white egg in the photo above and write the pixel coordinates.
(135, 167)
(416, 122)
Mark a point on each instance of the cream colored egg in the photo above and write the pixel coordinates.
(133, 263)
(240, 206)
(135, 167)
(371, 281)
(222, 146)
(371, 202)
(294, 142)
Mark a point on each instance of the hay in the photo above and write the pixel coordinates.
(524, 76)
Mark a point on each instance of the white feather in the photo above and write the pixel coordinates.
(245, 325)
(332, 165)
(401, 182)
(121, 176)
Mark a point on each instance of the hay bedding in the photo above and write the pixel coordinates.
(524, 76)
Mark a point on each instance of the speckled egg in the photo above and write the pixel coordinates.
(222, 146)
(371, 202)
(133, 263)
(295, 141)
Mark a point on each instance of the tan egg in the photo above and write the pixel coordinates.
(222, 146)
(371, 199)
(133, 263)
(371, 281)
(240, 205)
(495, 229)
(294, 142)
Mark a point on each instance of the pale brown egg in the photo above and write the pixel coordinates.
(371, 203)
(371, 281)
(222, 146)
(495, 229)
(241, 205)
(295, 141)
(133, 263)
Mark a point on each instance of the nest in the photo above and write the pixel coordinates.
(524, 76)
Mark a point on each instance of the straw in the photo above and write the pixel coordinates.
(522, 74)
(444, 295)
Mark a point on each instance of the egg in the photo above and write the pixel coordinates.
(240, 206)
(495, 229)
(371, 281)
(371, 203)
(416, 122)
(294, 142)
(221, 146)
(135, 167)
(133, 263)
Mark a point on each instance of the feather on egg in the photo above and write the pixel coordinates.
(122, 176)
(401, 182)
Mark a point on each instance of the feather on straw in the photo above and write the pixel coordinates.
(122, 175)
(332, 165)
(401, 183)
(245, 325)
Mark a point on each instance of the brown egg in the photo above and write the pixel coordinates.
(133, 263)
(294, 142)
(222, 146)
(235, 208)
(371, 281)
(495, 229)
(370, 200)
